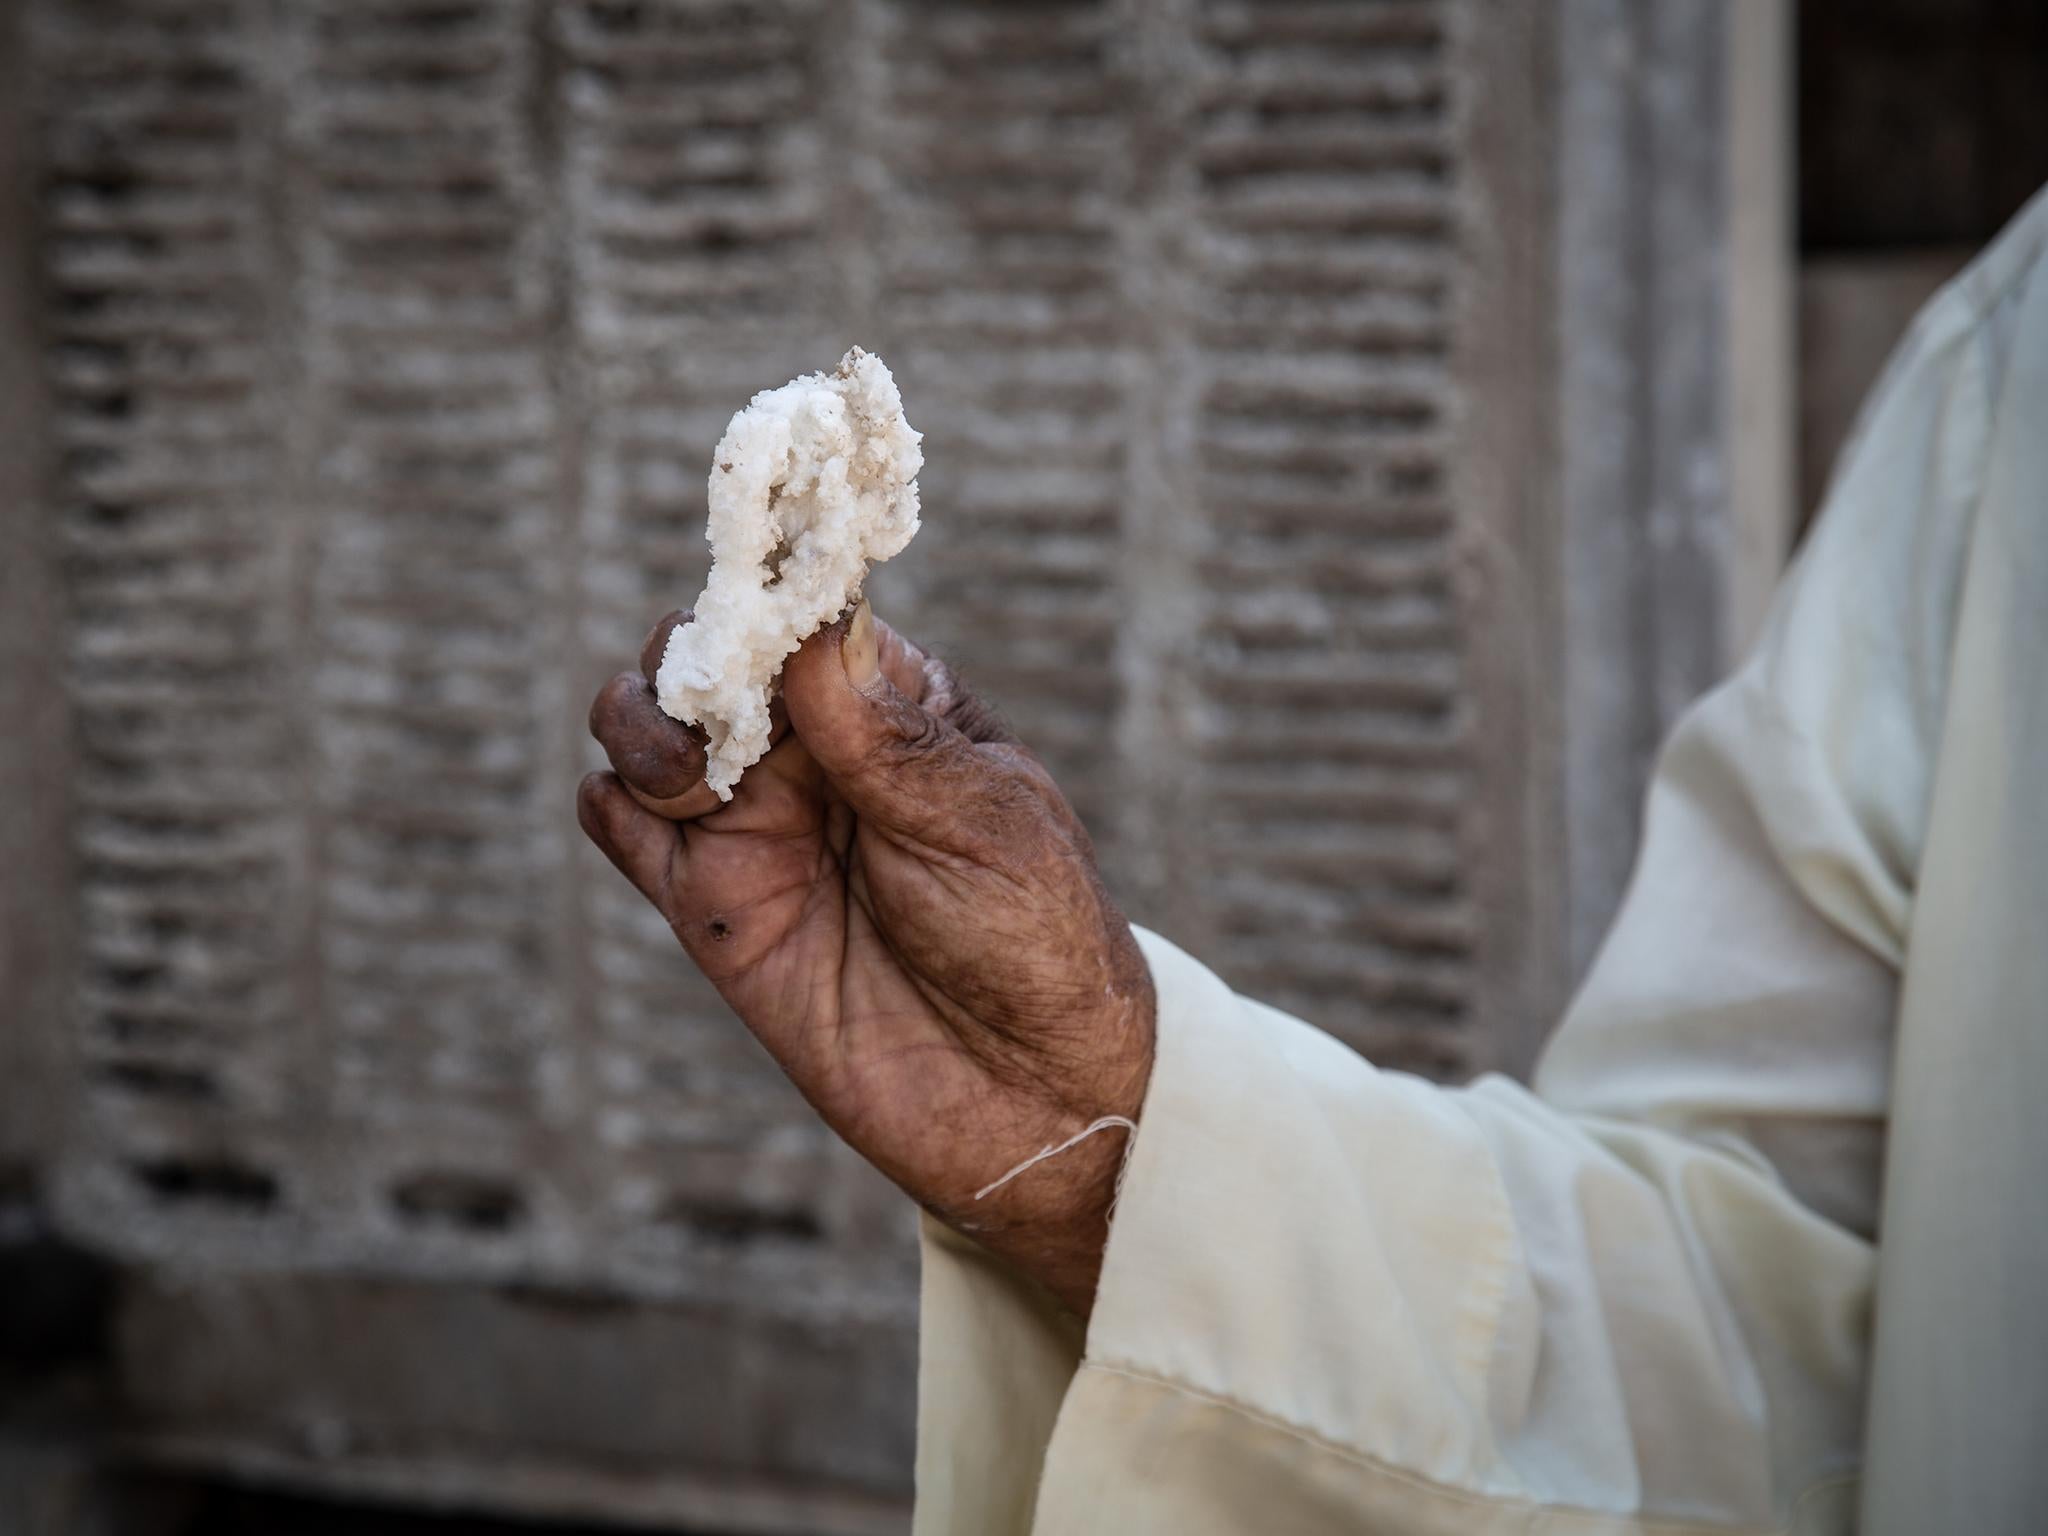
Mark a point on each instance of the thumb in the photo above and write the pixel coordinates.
(892, 760)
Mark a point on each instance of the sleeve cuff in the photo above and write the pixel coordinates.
(996, 1354)
(1299, 1233)
(1278, 1183)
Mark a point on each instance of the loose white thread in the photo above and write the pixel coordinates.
(1074, 1140)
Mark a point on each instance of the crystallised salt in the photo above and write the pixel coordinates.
(812, 483)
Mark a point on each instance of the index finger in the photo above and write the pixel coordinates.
(659, 761)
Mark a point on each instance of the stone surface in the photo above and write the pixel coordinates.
(1661, 567)
(556, 1403)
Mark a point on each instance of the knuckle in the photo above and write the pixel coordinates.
(941, 690)
(960, 706)
(914, 736)
(607, 708)
(978, 720)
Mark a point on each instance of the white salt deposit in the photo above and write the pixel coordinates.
(812, 483)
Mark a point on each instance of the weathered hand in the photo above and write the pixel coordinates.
(901, 906)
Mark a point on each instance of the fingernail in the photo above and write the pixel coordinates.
(859, 652)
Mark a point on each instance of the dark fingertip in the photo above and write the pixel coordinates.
(615, 708)
(655, 646)
(602, 705)
(653, 753)
(591, 794)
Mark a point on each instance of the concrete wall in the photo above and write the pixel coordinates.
(1674, 388)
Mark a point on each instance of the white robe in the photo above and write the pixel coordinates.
(1639, 1297)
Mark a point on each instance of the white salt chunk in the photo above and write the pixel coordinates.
(812, 483)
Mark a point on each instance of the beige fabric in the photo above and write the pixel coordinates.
(1638, 1298)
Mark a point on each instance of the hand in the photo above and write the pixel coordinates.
(902, 907)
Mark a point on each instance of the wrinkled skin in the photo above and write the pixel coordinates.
(902, 907)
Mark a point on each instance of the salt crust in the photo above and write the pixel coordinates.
(812, 483)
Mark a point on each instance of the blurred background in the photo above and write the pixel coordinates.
(1355, 428)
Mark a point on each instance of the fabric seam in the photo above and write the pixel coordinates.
(1651, 1525)
(1505, 1259)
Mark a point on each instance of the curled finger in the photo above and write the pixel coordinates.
(642, 845)
(659, 761)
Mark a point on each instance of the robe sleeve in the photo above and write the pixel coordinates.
(1636, 1297)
